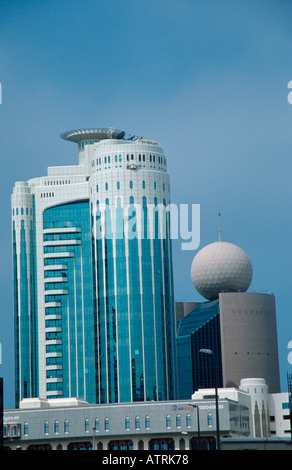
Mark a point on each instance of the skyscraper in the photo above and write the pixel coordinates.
(239, 327)
(93, 283)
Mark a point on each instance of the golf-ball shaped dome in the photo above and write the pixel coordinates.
(221, 267)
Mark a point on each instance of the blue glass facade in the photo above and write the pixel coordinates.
(200, 329)
(68, 301)
(134, 311)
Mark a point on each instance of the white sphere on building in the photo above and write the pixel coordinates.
(221, 267)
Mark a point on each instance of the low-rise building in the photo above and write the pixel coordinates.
(249, 418)
(67, 424)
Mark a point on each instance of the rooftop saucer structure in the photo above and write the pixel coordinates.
(79, 135)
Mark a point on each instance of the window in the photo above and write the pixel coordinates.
(106, 186)
(25, 429)
(66, 425)
(147, 422)
(210, 419)
(86, 425)
(137, 422)
(188, 420)
(15, 430)
(127, 422)
(168, 421)
(97, 188)
(106, 424)
(131, 184)
(178, 421)
(46, 427)
(56, 427)
(118, 185)
(143, 184)
(96, 424)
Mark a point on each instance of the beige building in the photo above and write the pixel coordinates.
(249, 344)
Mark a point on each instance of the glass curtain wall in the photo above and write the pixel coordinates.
(69, 302)
(134, 309)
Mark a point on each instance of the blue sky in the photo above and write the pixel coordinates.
(207, 79)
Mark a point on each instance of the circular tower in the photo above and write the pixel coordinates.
(134, 305)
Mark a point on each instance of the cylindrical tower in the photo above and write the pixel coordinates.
(134, 309)
(222, 272)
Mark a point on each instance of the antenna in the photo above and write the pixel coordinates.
(219, 227)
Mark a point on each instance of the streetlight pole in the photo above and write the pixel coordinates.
(198, 422)
(209, 352)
